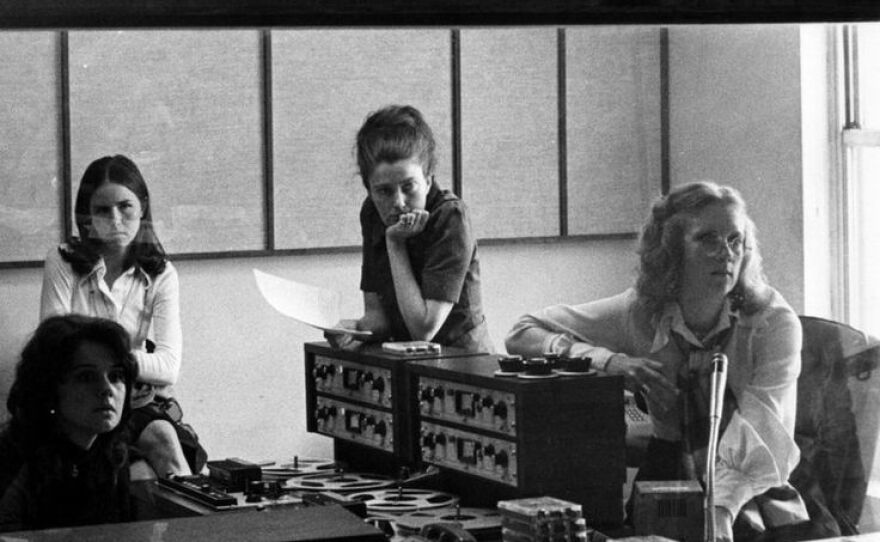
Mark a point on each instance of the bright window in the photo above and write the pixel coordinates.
(861, 169)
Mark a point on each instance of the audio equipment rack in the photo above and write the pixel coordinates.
(507, 437)
(361, 399)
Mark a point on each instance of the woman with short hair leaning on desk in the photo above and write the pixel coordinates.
(700, 290)
(420, 274)
(63, 454)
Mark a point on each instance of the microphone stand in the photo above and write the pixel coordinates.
(716, 404)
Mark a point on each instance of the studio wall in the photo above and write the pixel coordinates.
(242, 382)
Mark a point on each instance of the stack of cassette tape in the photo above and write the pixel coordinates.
(542, 519)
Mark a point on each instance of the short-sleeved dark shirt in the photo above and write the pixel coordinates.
(445, 265)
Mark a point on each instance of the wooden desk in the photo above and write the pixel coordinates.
(279, 524)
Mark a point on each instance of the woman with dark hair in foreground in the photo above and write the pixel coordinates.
(63, 454)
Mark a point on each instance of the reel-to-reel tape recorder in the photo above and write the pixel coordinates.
(492, 438)
(475, 436)
(383, 501)
(399, 511)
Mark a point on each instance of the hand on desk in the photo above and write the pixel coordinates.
(339, 338)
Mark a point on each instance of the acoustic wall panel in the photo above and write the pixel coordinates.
(509, 131)
(185, 106)
(614, 133)
(30, 178)
(324, 84)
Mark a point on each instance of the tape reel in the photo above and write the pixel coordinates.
(404, 500)
(298, 466)
(470, 519)
(338, 481)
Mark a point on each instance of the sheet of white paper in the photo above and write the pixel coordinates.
(317, 307)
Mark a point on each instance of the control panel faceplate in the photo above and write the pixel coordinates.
(355, 423)
(488, 457)
(353, 380)
(464, 404)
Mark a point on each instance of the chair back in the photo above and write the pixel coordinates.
(837, 422)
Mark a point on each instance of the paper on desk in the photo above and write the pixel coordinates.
(317, 307)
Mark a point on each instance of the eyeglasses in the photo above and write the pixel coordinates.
(712, 244)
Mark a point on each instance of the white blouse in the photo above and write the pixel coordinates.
(757, 450)
(144, 306)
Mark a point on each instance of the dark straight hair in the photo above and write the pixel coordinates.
(83, 251)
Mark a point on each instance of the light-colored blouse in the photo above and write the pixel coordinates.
(757, 450)
(145, 306)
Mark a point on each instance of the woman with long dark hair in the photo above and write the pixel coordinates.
(116, 268)
(64, 452)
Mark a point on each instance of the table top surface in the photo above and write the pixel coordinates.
(273, 524)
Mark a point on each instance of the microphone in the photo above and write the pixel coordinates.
(718, 384)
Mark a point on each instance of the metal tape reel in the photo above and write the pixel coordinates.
(298, 466)
(471, 519)
(339, 482)
(404, 500)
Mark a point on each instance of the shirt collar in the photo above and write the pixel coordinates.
(100, 269)
(672, 320)
(434, 196)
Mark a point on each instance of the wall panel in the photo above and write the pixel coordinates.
(325, 83)
(185, 106)
(614, 132)
(509, 125)
(722, 98)
(30, 178)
